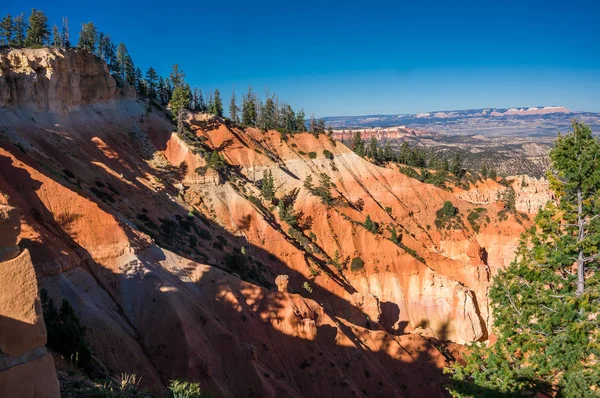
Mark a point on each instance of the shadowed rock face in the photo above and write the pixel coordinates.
(22, 331)
(173, 268)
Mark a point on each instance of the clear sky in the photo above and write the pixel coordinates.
(362, 57)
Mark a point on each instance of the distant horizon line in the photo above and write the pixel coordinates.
(491, 108)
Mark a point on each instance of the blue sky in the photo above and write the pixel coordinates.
(363, 57)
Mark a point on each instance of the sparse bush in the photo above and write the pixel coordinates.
(307, 287)
(327, 154)
(312, 155)
(357, 264)
(186, 389)
(473, 218)
(447, 217)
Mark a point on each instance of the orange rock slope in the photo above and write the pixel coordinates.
(171, 265)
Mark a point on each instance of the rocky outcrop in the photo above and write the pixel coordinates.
(56, 80)
(282, 283)
(26, 368)
(531, 193)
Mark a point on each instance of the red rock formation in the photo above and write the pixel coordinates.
(22, 333)
(123, 221)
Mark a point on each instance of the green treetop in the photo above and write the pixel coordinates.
(37, 31)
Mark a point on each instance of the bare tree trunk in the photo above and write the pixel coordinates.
(580, 260)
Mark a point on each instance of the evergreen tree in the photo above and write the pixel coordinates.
(287, 119)
(320, 128)
(484, 171)
(152, 82)
(373, 148)
(233, 109)
(162, 97)
(211, 104)
(388, 154)
(405, 154)
(358, 145)
(56, 40)
(268, 115)
(130, 76)
(106, 48)
(87, 37)
(19, 29)
(456, 168)
(140, 84)
(312, 123)
(268, 186)
(217, 104)
(300, 122)
(64, 37)
(180, 99)
(546, 303)
(37, 31)
(6, 30)
(177, 76)
(200, 104)
(249, 109)
(121, 61)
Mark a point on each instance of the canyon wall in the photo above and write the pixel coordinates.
(173, 267)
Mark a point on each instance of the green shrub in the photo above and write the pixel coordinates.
(357, 264)
(65, 334)
(473, 218)
(186, 389)
(328, 154)
(312, 155)
(447, 217)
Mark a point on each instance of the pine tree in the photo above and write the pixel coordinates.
(140, 84)
(56, 41)
(268, 186)
(457, 168)
(87, 37)
(300, 122)
(64, 36)
(546, 303)
(19, 29)
(249, 109)
(152, 82)
(121, 61)
(373, 148)
(106, 50)
(180, 99)
(233, 109)
(201, 104)
(177, 76)
(6, 30)
(217, 104)
(320, 128)
(268, 115)
(484, 171)
(358, 145)
(312, 123)
(37, 31)
(130, 77)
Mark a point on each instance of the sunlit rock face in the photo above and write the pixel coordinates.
(179, 271)
(26, 368)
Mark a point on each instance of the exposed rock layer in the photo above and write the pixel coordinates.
(124, 221)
